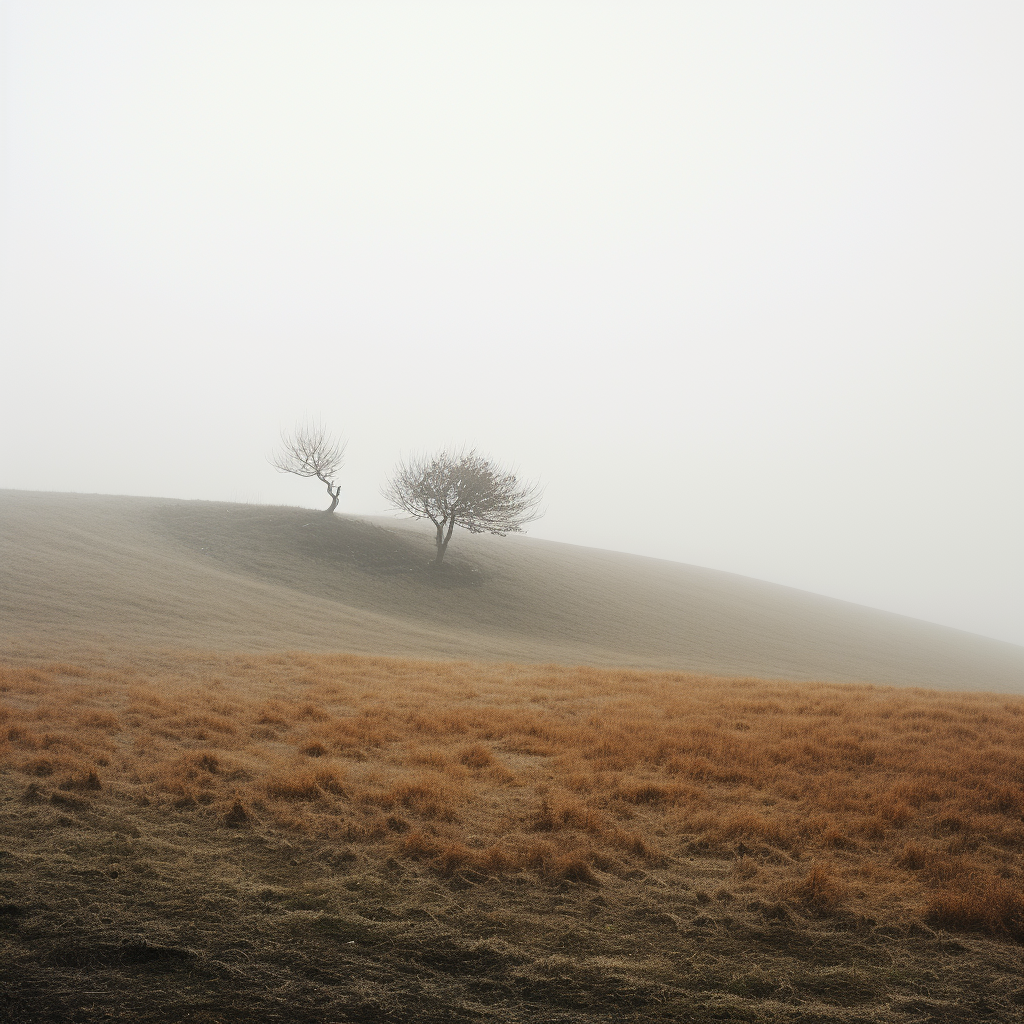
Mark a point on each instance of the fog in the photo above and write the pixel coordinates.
(740, 284)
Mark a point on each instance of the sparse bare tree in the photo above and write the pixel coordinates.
(460, 488)
(311, 451)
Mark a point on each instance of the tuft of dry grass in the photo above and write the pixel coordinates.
(979, 903)
(821, 890)
(906, 804)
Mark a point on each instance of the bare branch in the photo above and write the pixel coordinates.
(311, 451)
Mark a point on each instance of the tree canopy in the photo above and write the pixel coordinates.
(462, 488)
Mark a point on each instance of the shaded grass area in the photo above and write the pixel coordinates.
(121, 915)
(341, 838)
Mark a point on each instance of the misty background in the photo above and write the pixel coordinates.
(739, 283)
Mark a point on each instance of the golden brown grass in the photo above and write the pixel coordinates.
(864, 801)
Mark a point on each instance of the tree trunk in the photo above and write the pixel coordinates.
(443, 538)
(335, 494)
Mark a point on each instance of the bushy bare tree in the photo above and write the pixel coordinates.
(460, 488)
(311, 451)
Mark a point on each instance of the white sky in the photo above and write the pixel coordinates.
(741, 283)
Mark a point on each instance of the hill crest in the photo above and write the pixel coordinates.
(96, 570)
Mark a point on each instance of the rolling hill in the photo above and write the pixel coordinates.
(221, 802)
(80, 572)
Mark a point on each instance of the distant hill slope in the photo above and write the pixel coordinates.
(79, 571)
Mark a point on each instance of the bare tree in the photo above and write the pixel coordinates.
(311, 451)
(460, 488)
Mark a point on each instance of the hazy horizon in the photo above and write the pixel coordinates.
(740, 286)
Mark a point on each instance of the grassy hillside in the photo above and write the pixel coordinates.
(90, 571)
(212, 810)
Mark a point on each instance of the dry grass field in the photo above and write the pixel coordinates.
(212, 815)
(300, 836)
